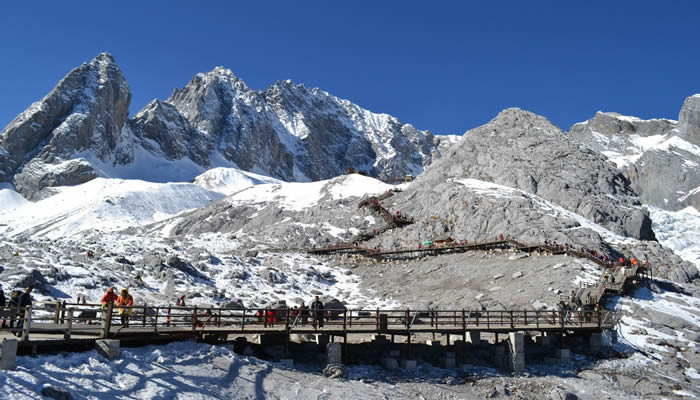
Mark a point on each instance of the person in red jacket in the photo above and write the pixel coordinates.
(109, 298)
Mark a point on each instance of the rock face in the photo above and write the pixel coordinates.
(521, 150)
(689, 120)
(298, 134)
(661, 157)
(80, 130)
(84, 113)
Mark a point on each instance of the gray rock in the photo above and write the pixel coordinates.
(272, 276)
(56, 393)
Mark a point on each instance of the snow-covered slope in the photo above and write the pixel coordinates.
(103, 205)
(231, 180)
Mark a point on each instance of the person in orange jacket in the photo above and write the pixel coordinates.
(124, 302)
(109, 298)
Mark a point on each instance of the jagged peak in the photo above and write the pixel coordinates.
(103, 57)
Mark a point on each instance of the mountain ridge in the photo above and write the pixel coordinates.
(81, 129)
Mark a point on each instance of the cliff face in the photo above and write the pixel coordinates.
(661, 157)
(85, 112)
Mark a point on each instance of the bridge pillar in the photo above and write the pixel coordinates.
(334, 353)
(108, 348)
(474, 337)
(517, 351)
(8, 354)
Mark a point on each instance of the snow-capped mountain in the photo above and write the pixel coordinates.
(81, 130)
(661, 157)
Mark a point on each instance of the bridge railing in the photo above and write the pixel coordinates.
(88, 320)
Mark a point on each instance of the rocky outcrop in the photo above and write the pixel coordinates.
(84, 113)
(522, 150)
(689, 120)
(661, 157)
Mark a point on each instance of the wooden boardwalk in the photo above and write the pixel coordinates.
(77, 325)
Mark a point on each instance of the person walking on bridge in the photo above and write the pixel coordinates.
(109, 298)
(124, 302)
(317, 310)
(24, 301)
(3, 303)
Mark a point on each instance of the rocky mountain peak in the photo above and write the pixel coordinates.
(689, 120)
(525, 151)
(84, 113)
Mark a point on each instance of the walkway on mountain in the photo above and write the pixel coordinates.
(392, 221)
(73, 326)
(621, 276)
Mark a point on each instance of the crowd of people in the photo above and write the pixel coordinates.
(18, 301)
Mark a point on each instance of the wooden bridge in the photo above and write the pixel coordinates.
(56, 325)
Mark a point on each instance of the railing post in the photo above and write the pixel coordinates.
(286, 321)
(27, 321)
(67, 333)
(63, 312)
(464, 320)
(377, 320)
(407, 317)
(350, 317)
(345, 322)
(155, 321)
(512, 323)
(194, 318)
(243, 321)
(144, 314)
(264, 318)
(106, 321)
(57, 313)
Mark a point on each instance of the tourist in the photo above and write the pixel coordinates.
(124, 302)
(317, 311)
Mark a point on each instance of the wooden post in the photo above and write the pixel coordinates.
(264, 316)
(106, 321)
(144, 314)
(345, 322)
(218, 320)
(194, 318)
(27, 322)
(407, 317)
(57, 313)
(512, 322)
(67, 333)
(378, 321)
(350, 317)
(243, 321)
(63, 312)
(155, 321)
(464, 323)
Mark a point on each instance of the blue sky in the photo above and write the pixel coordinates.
(443, 66)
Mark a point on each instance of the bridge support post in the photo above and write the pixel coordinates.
(8, 354)
(517, 350)
(334, 353)
(108, 348)
(473, 337)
